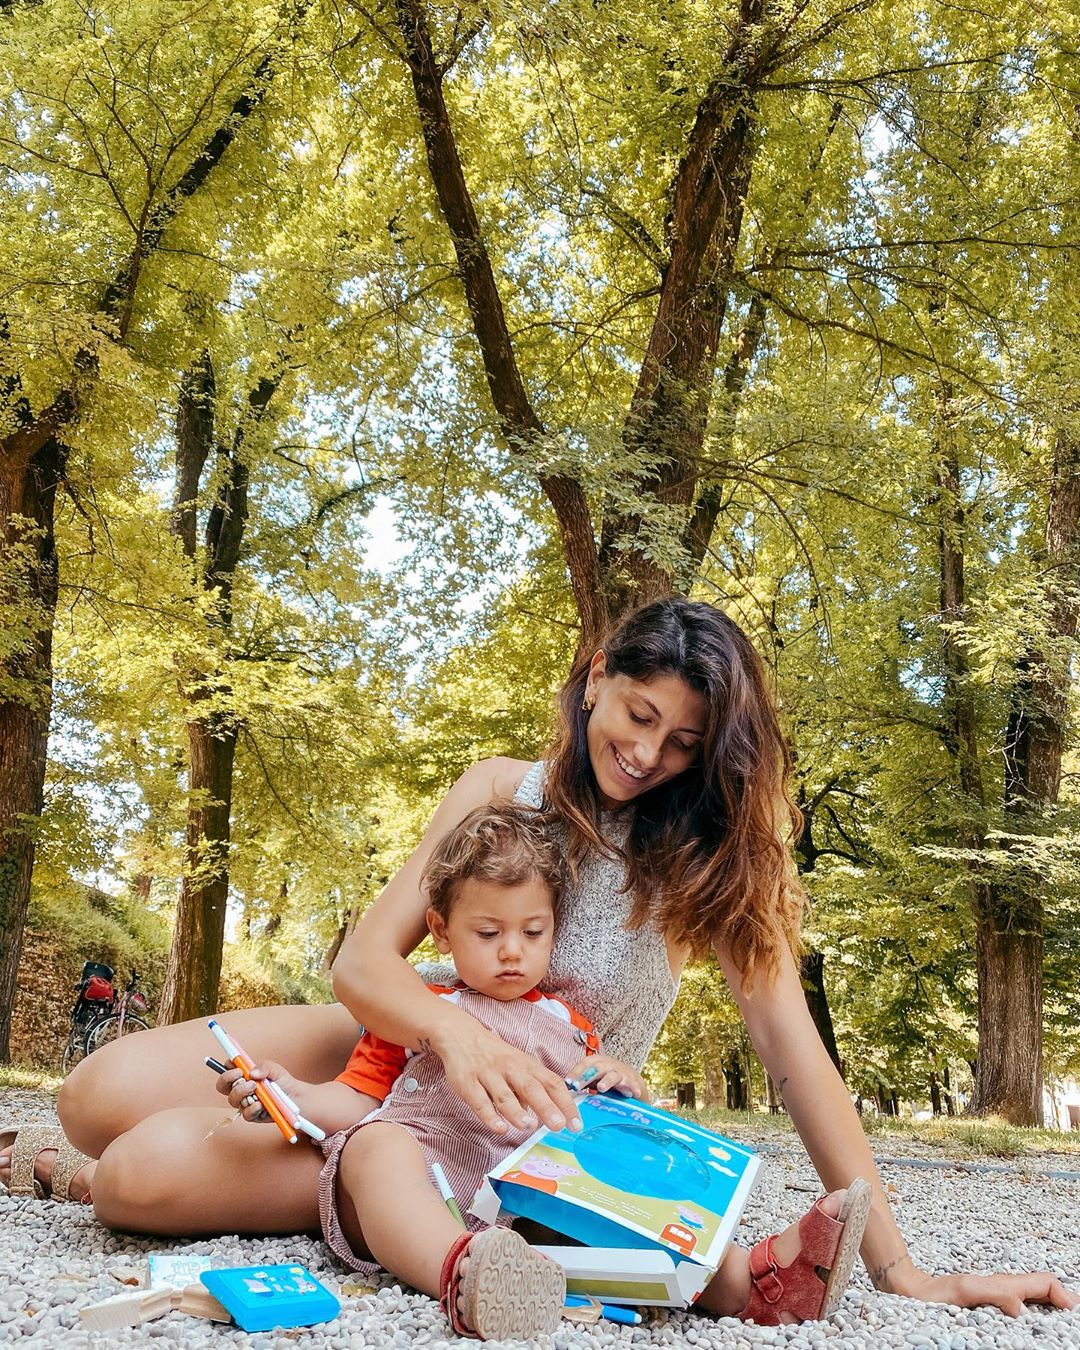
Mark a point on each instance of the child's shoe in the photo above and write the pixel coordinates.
(507, 1291)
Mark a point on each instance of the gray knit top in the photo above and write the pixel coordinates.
(618, 977)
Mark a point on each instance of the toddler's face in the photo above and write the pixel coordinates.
(500, 936)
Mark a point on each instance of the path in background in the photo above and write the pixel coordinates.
(55, 1259)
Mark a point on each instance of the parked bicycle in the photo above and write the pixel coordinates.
(100, 1014)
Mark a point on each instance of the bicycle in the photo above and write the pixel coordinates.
(100, 1014)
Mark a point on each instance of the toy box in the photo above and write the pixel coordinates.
(263, 1297)
(658, 1196)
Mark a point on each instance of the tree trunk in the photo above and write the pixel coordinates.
(812, 970)
(712, 1065)
(772, 1096)
(1008, 924)
(738, 1097)
(946, 1083)
(32, 461)
(191, 982)
(686, 1095)
(935, 1093)
(194, 970)
(665, 425)
(1009, 1080)
(29, 587)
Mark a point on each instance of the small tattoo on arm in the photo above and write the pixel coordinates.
(880, 1276)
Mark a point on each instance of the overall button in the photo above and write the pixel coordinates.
(582, 1037)
(410, 1085)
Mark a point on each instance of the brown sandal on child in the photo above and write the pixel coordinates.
(27, 1141)
(508, 1292)
(813, 1285)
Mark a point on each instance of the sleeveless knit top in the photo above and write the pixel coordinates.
(618, 977)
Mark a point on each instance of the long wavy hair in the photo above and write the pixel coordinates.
(707, 853)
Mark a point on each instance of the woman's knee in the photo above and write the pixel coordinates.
(136, 1180)
(86, 1106)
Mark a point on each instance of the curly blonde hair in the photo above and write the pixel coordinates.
(504, 843)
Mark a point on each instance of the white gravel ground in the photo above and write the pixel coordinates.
(55, 1259)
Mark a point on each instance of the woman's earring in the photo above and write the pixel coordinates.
(588, 701)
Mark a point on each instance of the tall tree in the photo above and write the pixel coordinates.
(191, 981)
(41, 408)
(634, 554)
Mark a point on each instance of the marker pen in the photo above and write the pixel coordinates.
(245, 1065)
(289, 1107)
(446, 1193)
(611, 1312)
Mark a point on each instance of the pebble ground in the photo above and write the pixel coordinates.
(55, 1259)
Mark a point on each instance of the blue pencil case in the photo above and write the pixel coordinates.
(263, 1297)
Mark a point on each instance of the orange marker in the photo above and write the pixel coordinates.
(241, 1061)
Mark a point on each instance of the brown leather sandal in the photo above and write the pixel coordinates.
(815, 1282)
(508, 1292)
(26, 1142)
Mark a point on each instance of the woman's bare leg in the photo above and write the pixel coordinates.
(185, 1172)
(121, 1084)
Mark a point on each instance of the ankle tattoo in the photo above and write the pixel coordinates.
(880, 1276)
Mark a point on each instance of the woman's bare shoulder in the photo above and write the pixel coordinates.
(494, 779)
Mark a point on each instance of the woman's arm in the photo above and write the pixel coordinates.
(788, 1044)
(384, 993)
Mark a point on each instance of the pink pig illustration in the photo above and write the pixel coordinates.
(542, 1174)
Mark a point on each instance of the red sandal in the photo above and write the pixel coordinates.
(815, 1282)
(509, 1291)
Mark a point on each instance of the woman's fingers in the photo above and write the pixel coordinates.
(1041, 1287)
(1007, 1292)
(546, 1095)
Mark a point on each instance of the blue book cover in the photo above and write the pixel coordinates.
(636, 1177)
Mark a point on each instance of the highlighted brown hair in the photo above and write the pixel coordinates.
(503, 843)
(707, 852)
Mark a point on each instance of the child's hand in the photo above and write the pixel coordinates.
(241, 1093)
(602, 1073)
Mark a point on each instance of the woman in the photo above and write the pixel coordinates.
(669, 781)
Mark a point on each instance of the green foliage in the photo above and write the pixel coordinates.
(909, 237)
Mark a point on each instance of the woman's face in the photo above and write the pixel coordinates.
(640, 732)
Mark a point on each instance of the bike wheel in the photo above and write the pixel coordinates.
(73, 1052)
(108, 1030)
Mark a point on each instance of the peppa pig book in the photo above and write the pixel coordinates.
(654, 1198)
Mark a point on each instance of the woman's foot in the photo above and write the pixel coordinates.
(48, 1144)
(799, 1274)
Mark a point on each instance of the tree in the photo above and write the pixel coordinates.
(60, 124)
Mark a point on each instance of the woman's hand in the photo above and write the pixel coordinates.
(602, 1073)
(503, 1085)
(1007, 1292)
(241, 1093)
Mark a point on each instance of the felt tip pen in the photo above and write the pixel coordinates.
(576, 1084)
(611, 1312)
(446, 1193)
(291, 1110)
(245, 1065)
(286, 1101)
